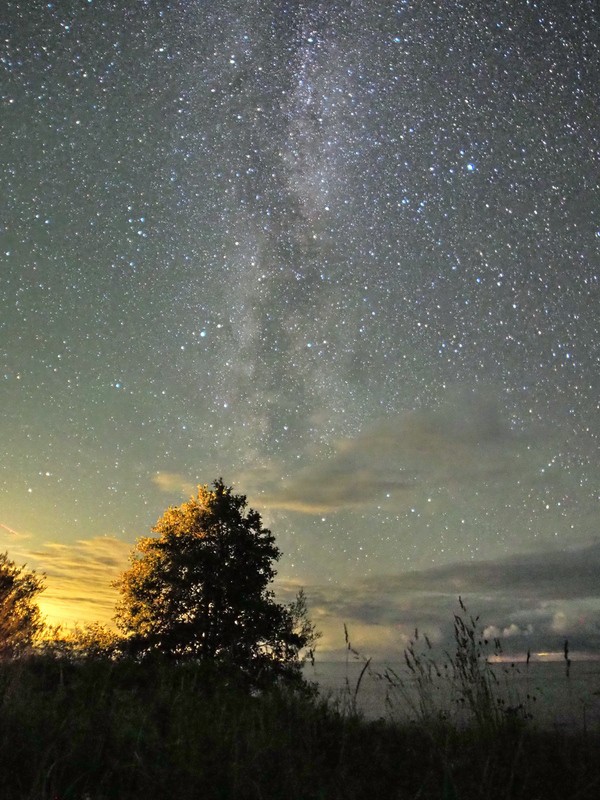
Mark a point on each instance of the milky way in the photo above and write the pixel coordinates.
(345, 254)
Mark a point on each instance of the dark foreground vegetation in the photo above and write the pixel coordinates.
(100, 729)
(201, 696)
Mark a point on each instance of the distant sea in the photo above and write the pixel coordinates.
(543, 688)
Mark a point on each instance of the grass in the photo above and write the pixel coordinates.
(97, 729)
(458, 687)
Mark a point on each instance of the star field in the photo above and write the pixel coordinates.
(345, 254)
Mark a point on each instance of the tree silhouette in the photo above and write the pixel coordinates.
(200, 590)
(20, 617)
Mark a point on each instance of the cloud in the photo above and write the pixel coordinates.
(555, 574)
(173, 482)
(79, 577)
(514, 630)
(535, 601)
(466, 442)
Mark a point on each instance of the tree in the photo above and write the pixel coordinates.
(200, 590)
(20, 617)
(89, 642)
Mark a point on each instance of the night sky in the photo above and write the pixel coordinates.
(344, 254)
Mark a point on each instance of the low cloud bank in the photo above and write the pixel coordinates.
(530, 602)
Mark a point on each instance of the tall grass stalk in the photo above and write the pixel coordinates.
(351, 692)
(458, 686)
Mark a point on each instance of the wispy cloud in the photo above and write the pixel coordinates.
(78, 577)
(173, 482)
(460, 443)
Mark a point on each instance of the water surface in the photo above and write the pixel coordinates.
(542, 688)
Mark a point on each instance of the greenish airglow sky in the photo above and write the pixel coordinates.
(345, 255)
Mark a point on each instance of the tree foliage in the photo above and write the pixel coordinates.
(20, 617)
(89, 642)
(199, 589)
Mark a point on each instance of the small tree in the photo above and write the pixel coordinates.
(20, 617)
(200, 590)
